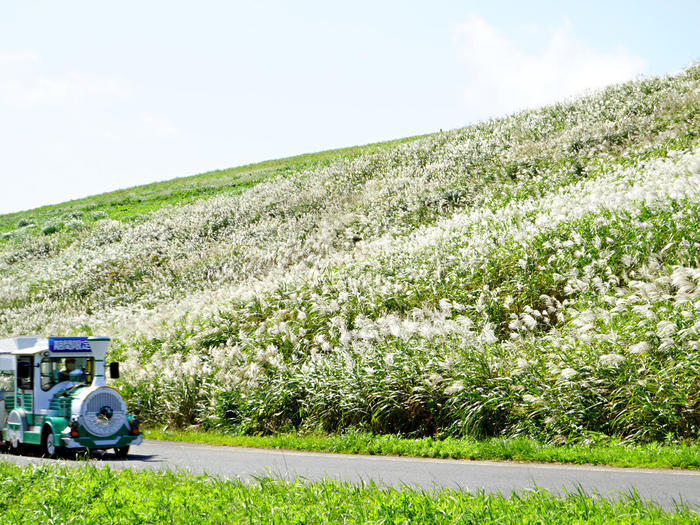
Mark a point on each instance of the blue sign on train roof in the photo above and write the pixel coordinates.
(69, 344)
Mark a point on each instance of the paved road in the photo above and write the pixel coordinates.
(665, 487)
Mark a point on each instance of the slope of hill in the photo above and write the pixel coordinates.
(534, 275)
(130, 204)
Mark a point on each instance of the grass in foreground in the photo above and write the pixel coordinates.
(655, 455)
(49, 494)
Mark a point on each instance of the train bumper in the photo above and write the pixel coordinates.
(88, 442)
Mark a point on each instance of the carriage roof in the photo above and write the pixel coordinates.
(66, 346)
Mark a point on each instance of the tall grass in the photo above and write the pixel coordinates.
(530, 276)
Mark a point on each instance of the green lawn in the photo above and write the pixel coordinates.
(52, 494)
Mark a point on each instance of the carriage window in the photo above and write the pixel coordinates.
(7, 381)
(55, 370)
(25, 383)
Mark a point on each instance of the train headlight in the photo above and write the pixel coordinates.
(134, 426)
(74, 427)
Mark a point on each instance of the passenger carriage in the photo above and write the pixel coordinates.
(53, 394)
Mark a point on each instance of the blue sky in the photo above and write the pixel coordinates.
(96, 96)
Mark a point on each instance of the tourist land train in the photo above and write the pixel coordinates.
(53, 394)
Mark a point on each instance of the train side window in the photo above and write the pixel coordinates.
(25, 383)
(7, 381)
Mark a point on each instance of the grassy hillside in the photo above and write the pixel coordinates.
(535, 276)
(132, 203)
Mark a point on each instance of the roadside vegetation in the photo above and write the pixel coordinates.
(533, 277)
(652, 455)
(50, 494)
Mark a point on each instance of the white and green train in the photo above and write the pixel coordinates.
(53, 394)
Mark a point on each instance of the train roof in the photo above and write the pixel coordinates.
(33, 344)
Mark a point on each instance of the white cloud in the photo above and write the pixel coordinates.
(503, 77)
(159, 126)
(26, 83)
(65, 134)
(9, 58)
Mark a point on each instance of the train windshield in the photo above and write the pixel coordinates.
(55, 370)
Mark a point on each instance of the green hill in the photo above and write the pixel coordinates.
(534, 275)
(131, 203)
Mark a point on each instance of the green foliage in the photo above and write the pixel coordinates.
(47, 494)
(595, 449)
(51, 227)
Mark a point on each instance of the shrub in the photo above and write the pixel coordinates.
(52, 227)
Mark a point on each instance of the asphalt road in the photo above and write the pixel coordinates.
(665, 487)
